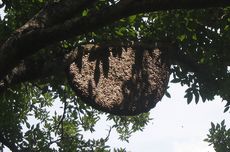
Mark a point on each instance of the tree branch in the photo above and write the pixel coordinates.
(20, 46)
(36, 69)
(55, 13)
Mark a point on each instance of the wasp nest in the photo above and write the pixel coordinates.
(118, 81)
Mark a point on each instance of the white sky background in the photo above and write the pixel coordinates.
(176, 126)
(1, 11)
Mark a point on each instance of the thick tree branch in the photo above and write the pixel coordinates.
(55, 13)
(31, 70)
(20, 46)
(40, 68)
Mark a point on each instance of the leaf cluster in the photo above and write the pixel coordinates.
(219, 137)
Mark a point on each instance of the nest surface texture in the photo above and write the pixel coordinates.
(128, 82)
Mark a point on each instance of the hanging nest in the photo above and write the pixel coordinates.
(118, 81)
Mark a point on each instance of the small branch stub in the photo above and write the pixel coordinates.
(118, 81)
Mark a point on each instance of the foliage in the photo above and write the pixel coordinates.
(195, 43)
(203, 40)
(219, 137)
(37, 104)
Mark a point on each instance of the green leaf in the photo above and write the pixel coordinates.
(202, 60)
(182, 37)
(27, 125)
(167, 94)
(175, 80)
(119, 33)
(212, 125)
(227, 27)
(194, 37)
(85, 12)
(196, 94)
(226, 109)
(189, 97)
(132, 18)
(222, 123)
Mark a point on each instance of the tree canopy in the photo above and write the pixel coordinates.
(40, 39)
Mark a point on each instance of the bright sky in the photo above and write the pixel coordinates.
(1, 10)
(176, 126)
